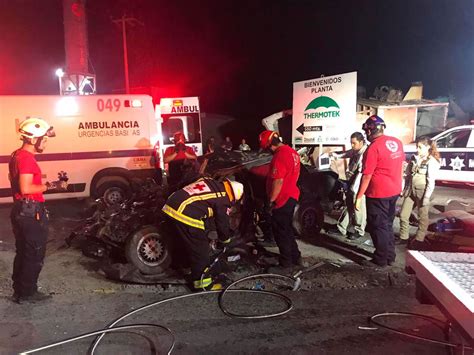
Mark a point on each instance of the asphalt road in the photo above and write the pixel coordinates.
(322, 322)
(336, 300)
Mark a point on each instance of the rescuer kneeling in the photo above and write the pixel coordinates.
(191, 209)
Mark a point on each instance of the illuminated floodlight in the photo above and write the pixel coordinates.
(67, 107)
(59, 72)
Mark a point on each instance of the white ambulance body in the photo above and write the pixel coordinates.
(180, 114)
(102, 141)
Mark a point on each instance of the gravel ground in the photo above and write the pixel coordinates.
(335, 299)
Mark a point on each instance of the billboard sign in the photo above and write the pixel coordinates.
(324, 109)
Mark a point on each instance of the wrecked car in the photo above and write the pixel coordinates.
(136, 233)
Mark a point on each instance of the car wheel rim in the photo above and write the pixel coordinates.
(113, 196)
(150, 250)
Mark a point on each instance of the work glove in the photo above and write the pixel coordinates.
(221, 244)
(58, 185)
(180, 147)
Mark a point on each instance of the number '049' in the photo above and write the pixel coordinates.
(108, 105)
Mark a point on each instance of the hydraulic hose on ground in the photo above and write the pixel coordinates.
(440, 324)
(113, 328)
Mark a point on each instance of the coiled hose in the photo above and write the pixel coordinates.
(440, 324)
(222, 293)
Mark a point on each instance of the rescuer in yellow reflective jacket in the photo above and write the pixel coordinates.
(191, 208)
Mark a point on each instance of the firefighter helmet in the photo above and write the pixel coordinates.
(237, 189)
(35, 128)
(373, 124)
(234, 188)
(267, 138)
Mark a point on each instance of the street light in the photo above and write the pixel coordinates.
(60, 73)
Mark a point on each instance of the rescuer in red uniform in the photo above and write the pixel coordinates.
(177, 158)
(382, 184)
(29, 217)
(283, 194)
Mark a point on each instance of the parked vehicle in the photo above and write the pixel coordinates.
(102, 141)
(456, 146)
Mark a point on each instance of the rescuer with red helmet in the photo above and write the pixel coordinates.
(177, 157)
(381, 184)
(29, 217)
(283, 194)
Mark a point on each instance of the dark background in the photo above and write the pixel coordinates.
(241, 57)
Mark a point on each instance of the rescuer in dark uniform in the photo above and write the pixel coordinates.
(29, 217)
(177, 157)
(283, 194)
(191, 208)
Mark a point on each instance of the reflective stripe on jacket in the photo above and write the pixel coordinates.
(199, 201)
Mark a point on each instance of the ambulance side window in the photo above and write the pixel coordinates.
(194, 131)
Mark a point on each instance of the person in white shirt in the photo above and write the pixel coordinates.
(244, 147)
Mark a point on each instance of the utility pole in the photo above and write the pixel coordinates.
(123, 22)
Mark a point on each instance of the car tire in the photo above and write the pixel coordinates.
(148, 251)
(308, 218)
(113, 192)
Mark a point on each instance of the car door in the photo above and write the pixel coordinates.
(456, 147)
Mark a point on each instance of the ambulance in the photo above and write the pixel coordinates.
(102, 143)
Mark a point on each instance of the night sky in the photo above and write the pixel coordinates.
(241, 57)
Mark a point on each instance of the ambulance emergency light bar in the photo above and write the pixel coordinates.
(135, 103)
(171, 102)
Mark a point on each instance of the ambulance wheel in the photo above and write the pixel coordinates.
(113, 192)
(308, 218)
(146, 249)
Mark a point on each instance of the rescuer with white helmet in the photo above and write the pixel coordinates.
(34, 131)
(29, 216)
(191, 209)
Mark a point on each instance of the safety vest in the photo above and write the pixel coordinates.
(196, 202)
